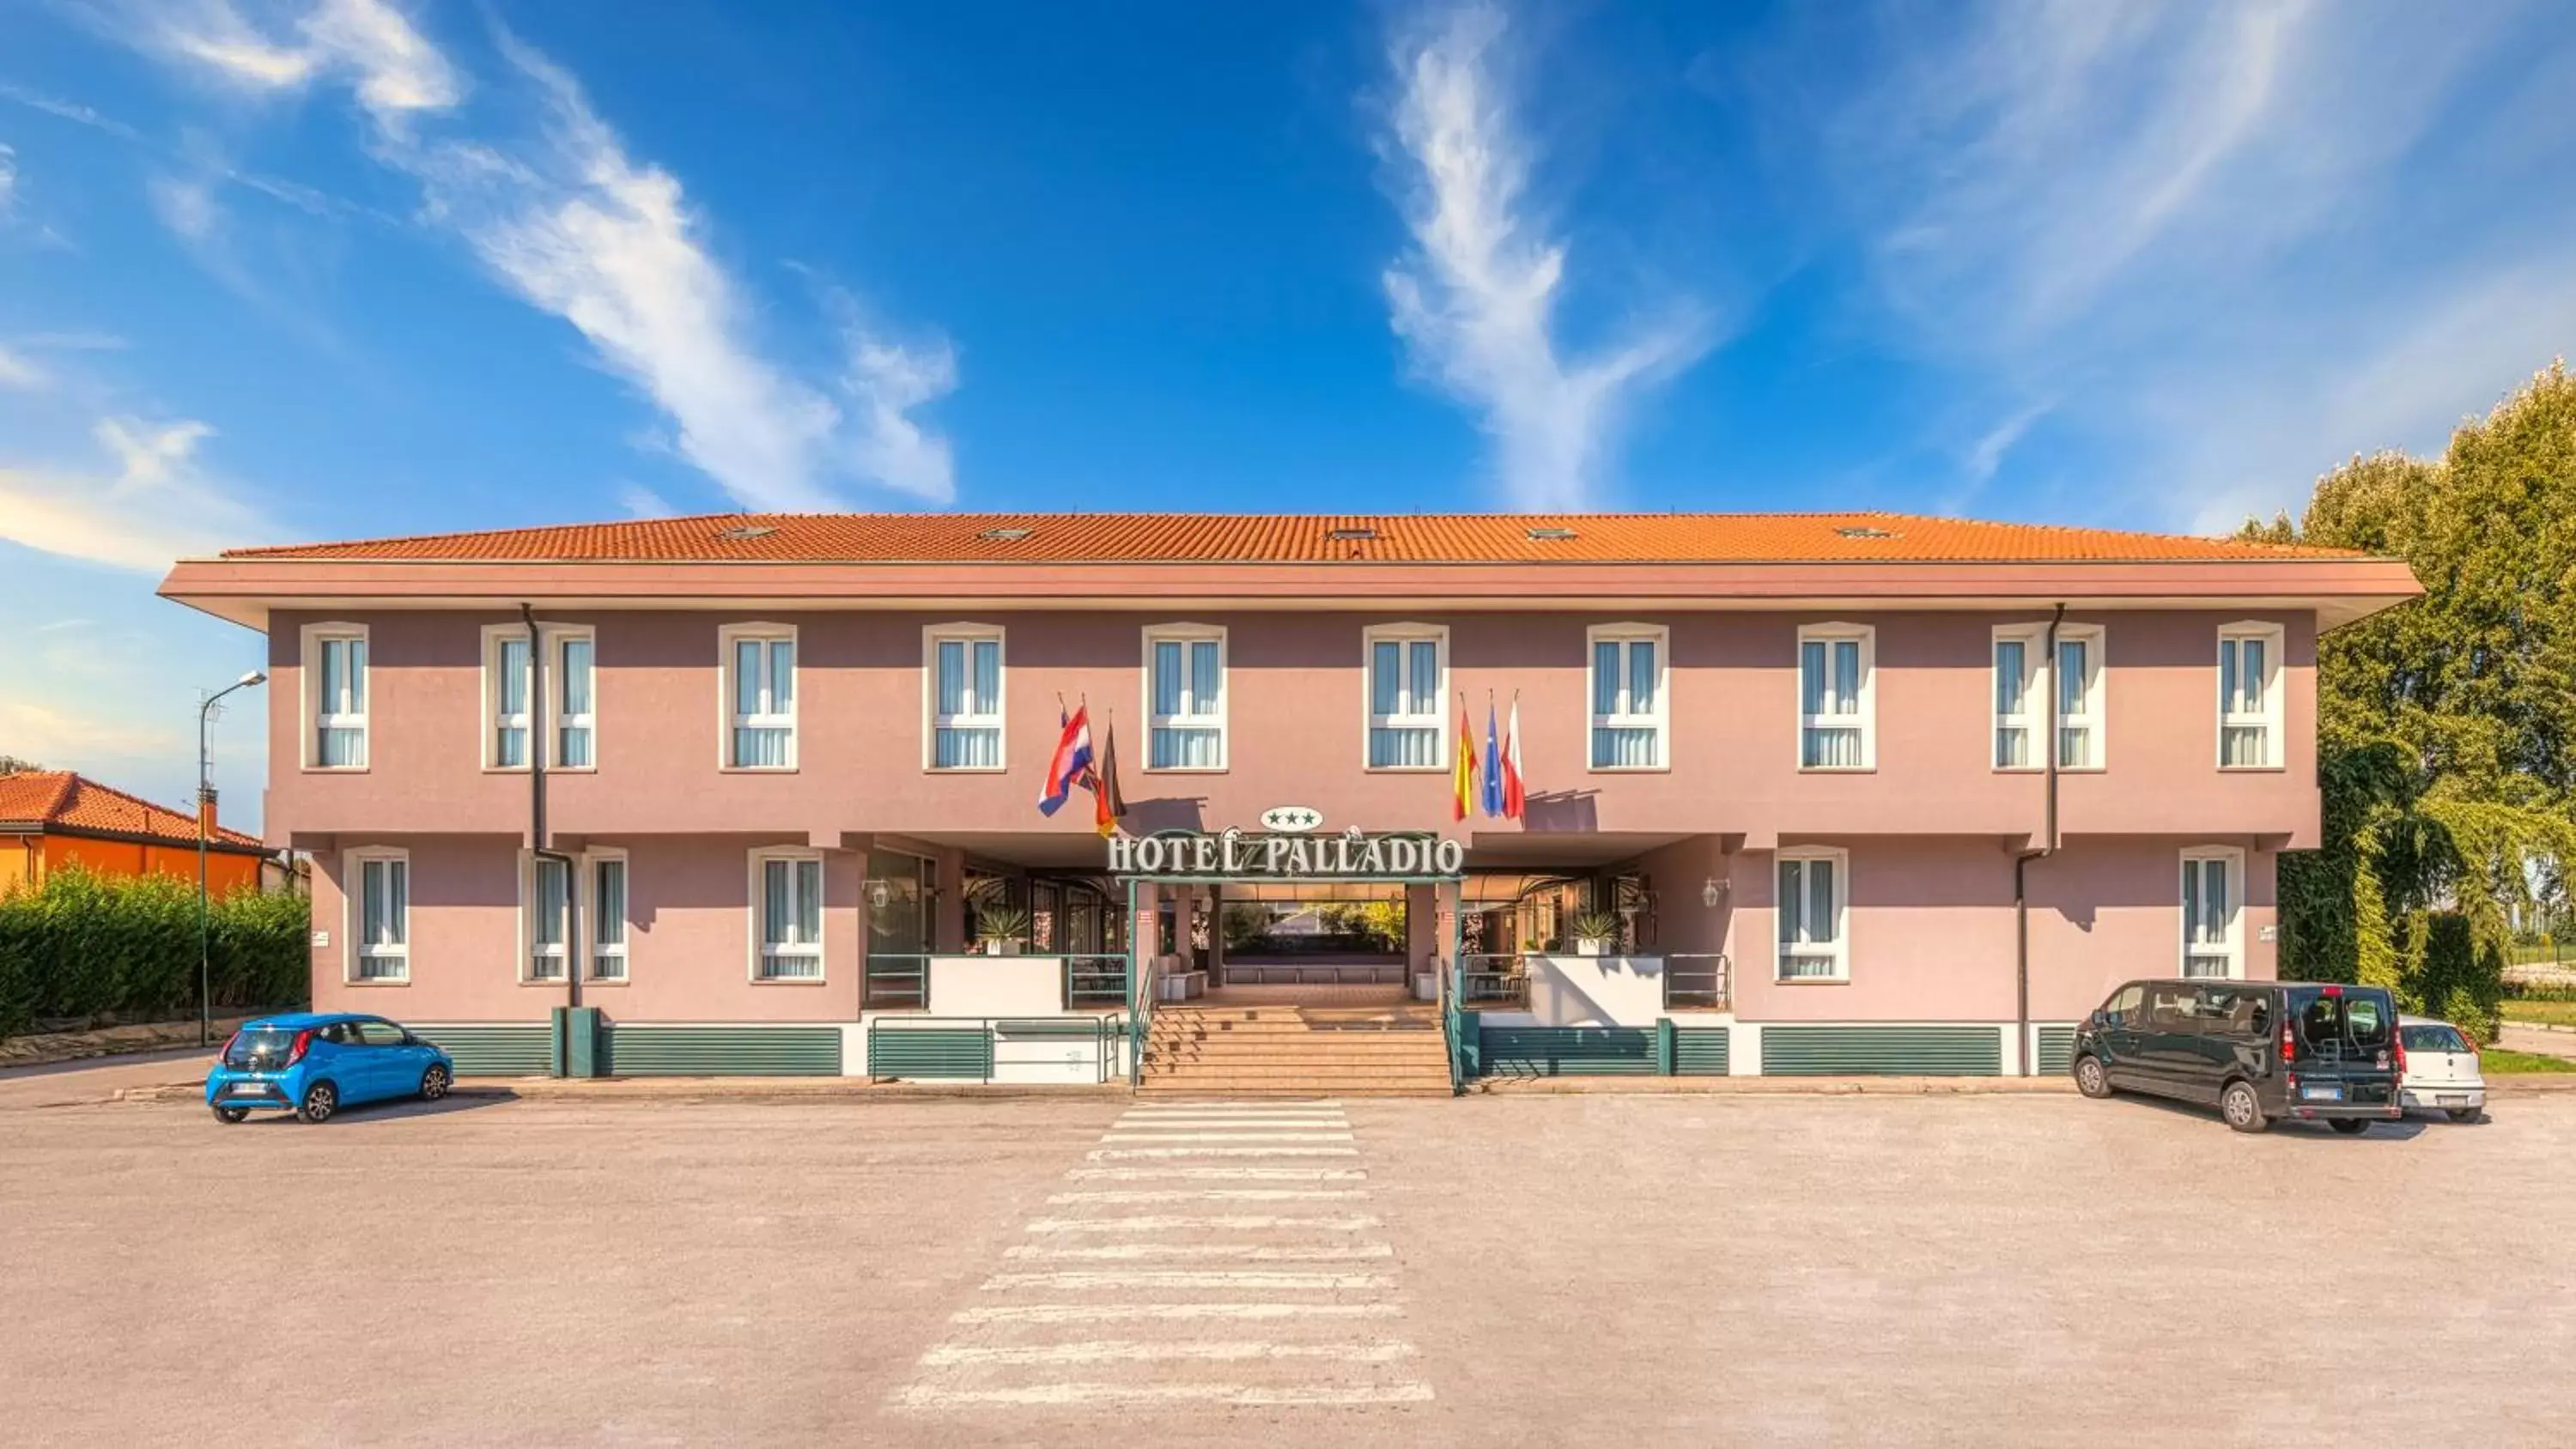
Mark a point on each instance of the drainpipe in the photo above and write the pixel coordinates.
(538, 738)
(2021, 861)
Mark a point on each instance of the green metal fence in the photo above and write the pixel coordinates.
(2056, 1052)
(1859, 1051)
(495, 1049)
(1566, 1051)
(978, 1048)
(658, 1050)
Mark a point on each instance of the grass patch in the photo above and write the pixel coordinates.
(2500, 1061)
(2555, 1013)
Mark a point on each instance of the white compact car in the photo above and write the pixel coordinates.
(2441, 1069)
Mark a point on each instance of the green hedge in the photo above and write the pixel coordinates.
(83, 945)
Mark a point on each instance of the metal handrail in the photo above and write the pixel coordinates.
(1140, 1019)
(1708, 987)
(1453, 1026)
(1091, 985)
(916, 996)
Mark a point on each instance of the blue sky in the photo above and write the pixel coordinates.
(276, 270)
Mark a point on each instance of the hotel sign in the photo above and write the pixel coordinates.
(1232, 854)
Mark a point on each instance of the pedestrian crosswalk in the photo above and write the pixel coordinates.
(1205, 1253)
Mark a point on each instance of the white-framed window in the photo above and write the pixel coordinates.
(962, 690)
(759, 696)
(2213, 911)
(1837, 697)
(545, 917)
(571, 687)
(1813, 904)
(2249, 697)
(335, 696)
(1630, 707)
(2020, 679)
(606, 917)
(787, 915)
(1408, 689)
(1185, 697)
(509, 722)
(378, 928)
(2078, 680)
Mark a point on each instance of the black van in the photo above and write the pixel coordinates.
(2257, 1050)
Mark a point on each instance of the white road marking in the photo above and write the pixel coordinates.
(1252, 1252)
(1232, 1280)
(1226, 1222)
(1233, 1124)
(1126, 1154)
(924, 1396)
(1119, 1350)
(1284, 1135)
(1219, 1174)
(1056, 1313)
(1226, 1104)
(1207, 1194)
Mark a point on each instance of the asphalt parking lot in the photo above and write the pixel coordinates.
(1543, 1270)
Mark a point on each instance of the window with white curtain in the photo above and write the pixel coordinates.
(1836, 704)
(505, 697)
(572, 687)
(2079, 697)
(965, 695)
(760, 696)
(2249, 696)
(545, 890)
(607, 916)
(1185, 698)
(1408, 688)
(1813, 895)
(335, 659)
(789, 916)
(2019, 680)
(2212, 903)
(1629, 708)
(379, 916)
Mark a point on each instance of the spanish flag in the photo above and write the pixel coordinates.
(1463, 777)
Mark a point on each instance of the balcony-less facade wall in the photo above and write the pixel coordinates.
(1296, 715)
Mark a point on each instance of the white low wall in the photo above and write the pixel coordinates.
(996, 985)
(1595, 990)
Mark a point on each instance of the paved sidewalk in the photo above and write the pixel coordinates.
(2547, 1041)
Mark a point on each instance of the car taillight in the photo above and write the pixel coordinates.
(2289, 1045)
(295, 1053)
(229, 1043)
(2474, 1049)
(2397, 1048)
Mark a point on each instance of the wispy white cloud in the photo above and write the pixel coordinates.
(16, 372)
(2214, 234)
(149, 505)
(1477, 297)
(60, 738)
(184, 204)
(8, 181)
(570, 222)
(73, 111)
(642, 502)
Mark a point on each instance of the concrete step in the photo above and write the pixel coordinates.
(1296, 1072)
(1293, 1091)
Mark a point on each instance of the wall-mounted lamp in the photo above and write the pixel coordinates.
(878, 895)
(1711, 892)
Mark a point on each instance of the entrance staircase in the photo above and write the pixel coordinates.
(1290, 1050)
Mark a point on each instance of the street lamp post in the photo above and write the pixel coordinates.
(205, 784)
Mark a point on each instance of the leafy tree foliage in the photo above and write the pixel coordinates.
(2445, 752)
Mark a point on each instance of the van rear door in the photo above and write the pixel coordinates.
(2347, 1044)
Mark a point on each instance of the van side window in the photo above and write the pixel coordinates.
(2364, 1022)
(2125, 1006)
(2235, 1010)
(2173, 1008)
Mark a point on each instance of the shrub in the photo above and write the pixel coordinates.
(83, 945)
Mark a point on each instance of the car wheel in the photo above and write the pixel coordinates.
(2241, 1109)
(2463, 1114)
(231, 1114)
(320, 1101)
(433, 1083)
(2349, 1126)
(2091, 1078)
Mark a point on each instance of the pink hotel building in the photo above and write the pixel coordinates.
(1862, 792)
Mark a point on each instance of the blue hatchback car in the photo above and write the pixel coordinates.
(313, 1063)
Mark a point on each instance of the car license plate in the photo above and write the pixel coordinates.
(248, 1089)
(2451, 1099)
(2321, 1094)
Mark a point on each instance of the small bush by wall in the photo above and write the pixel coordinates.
(82, 945)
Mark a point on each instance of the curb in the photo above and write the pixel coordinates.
(693, 1089)
(1774, 1086)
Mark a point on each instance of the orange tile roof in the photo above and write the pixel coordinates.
(1059, 538)
(63, 800)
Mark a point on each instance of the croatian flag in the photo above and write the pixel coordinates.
(1071, 762)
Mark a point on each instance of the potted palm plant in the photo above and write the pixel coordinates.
(1001, 927)
(1594, 930)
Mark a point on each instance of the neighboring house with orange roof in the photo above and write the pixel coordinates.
(50, 819)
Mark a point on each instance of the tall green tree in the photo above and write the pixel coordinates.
(2445, 754)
